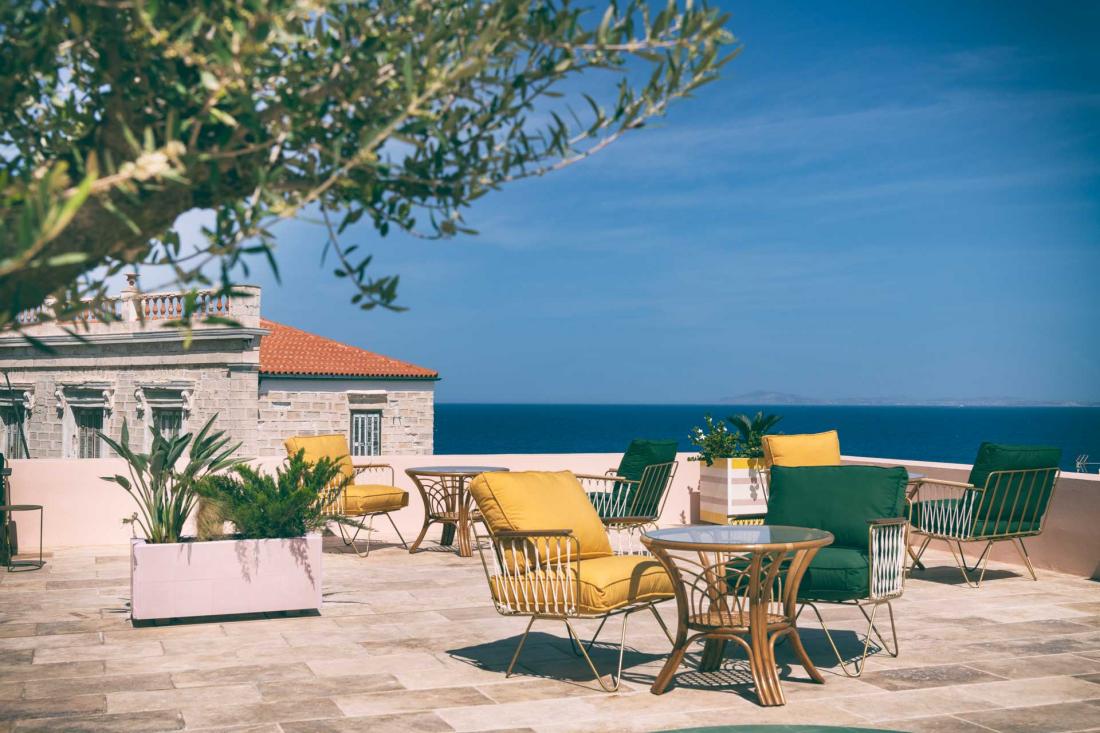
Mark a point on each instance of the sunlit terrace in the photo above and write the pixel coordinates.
(413, 642)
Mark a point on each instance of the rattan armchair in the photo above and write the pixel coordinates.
(549, 558)
(359, 503)
(1005, 500)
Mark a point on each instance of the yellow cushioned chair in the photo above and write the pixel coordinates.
(359, 503)
(549, 557)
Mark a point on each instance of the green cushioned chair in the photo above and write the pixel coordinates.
(1005, 500)
(866, 510)
(634, 494)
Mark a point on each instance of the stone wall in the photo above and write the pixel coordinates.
(310, 409)
(219, 381)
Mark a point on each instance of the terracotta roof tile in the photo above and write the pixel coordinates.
(290, 351)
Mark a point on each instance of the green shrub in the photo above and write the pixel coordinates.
(715, 440)
(291, 503)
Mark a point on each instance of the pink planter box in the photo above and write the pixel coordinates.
(224, 577)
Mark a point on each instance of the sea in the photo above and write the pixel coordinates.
(947, 434)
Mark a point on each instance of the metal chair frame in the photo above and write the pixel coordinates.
(364, 521)
(954, 511)
(537, 574)
(621, 501)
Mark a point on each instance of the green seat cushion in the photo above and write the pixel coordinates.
(1018, 499)
(977, 527)
(836, 574)
(837, 499)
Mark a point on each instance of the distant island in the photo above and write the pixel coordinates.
(763, 397)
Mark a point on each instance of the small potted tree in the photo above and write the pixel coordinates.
(270, 561)
(732, 479)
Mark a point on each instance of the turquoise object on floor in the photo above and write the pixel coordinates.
(777, 729)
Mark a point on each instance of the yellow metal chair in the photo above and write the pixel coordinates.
(358, 504)
(550, 558)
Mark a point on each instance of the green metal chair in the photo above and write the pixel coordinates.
(865, 508)
(633, 495)
(1005, 500)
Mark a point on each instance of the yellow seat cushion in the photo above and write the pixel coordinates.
(540, 500)
(371, 498)
(323, 446)
(606, 584)
(811, 449)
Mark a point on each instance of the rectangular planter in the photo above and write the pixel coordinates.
(731, 487)
(224, 577)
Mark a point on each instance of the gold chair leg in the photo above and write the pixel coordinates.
(618, 676)
(1019, 544)
(857, 666)
(661, 622)
(365, 522)
(395, 529)
(519, 647)
(960, 560)
(917, 564)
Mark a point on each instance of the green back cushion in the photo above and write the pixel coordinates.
(837, 499)
(1016, 498)
(642, 453)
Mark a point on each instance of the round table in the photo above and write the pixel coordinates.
(725, 577)
(446, 501)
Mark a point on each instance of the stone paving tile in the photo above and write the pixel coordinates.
(1038, 691)
(145, 722)
(1058, 718)
(935, 724)
(36, 689)
(52, 707)
(915, 703)
(380, 703)
(135, 650)
(268, 712)
(426, 722)
(329, 686)
(250, 674)
(30, 671)
(129, 702)
(1043, 666)
(915, 678)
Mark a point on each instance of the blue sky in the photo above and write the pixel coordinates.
(876, 200)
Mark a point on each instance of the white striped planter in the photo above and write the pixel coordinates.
(732, 487)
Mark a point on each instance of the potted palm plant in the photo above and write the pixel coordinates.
(732, 476)
(270, 561)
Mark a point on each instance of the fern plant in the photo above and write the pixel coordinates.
(294, 501)
(165, 494)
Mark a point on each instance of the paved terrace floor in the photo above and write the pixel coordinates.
(413, 643)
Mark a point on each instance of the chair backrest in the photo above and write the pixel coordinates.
(1018, 481)
(649, 497)
(326, 446)
(533, 501)
(641, 454)
(837, 499)
(808, 449)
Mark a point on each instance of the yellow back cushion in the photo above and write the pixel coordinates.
(540, 500)
(811, 449)
(323, 446)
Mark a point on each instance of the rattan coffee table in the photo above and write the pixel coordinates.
(725, 578)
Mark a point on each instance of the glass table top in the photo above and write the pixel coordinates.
(718, 534)
(470, 470)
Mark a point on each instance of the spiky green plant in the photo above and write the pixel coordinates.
(165, 494)
(751, 432)
(295, 500)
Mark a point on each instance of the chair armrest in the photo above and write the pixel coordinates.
(610, 495)
(888, 539)
(376, 467)
(949, 484)
(945, 508)
(514, 534)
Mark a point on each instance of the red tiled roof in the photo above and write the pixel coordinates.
(291, 351)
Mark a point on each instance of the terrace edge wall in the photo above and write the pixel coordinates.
(81, 509)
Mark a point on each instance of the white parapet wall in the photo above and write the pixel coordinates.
(82, 509)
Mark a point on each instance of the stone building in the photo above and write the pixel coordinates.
(264, 380)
